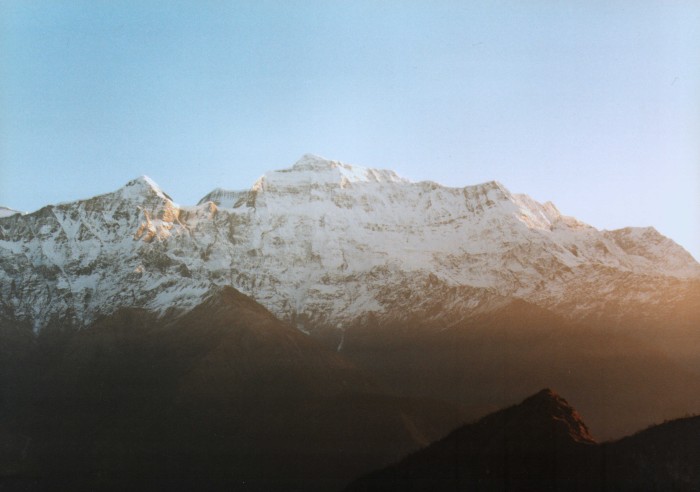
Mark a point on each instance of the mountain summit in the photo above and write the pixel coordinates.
(318, 165)
(561, 419)
(529, 446)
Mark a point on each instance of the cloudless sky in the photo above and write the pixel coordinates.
(594, 105)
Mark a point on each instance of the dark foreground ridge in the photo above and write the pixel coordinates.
(542, 444)
(226, 397)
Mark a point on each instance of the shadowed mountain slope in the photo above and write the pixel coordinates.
(621, 383)
(223, 396)
(542, 444)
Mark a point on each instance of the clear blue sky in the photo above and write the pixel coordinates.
(593, 105)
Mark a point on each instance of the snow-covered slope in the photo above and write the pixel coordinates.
(325, 244)
(6, 212)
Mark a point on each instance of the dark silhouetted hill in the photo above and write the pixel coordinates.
(542, 444)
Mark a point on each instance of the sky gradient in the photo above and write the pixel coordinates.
(592, 105)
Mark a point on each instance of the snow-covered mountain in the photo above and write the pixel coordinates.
(324, 244)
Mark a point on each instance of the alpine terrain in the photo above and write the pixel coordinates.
(321, 324)
(325, 245)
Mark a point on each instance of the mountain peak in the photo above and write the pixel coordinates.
(523, 442)
(546, 394)
(313, 161)
(143, 182)
(312, 171)
(143, 185)
(562, 416)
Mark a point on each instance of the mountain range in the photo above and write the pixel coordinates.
(323, 245)
(323, 323)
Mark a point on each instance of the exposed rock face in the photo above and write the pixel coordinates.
(323, 245)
